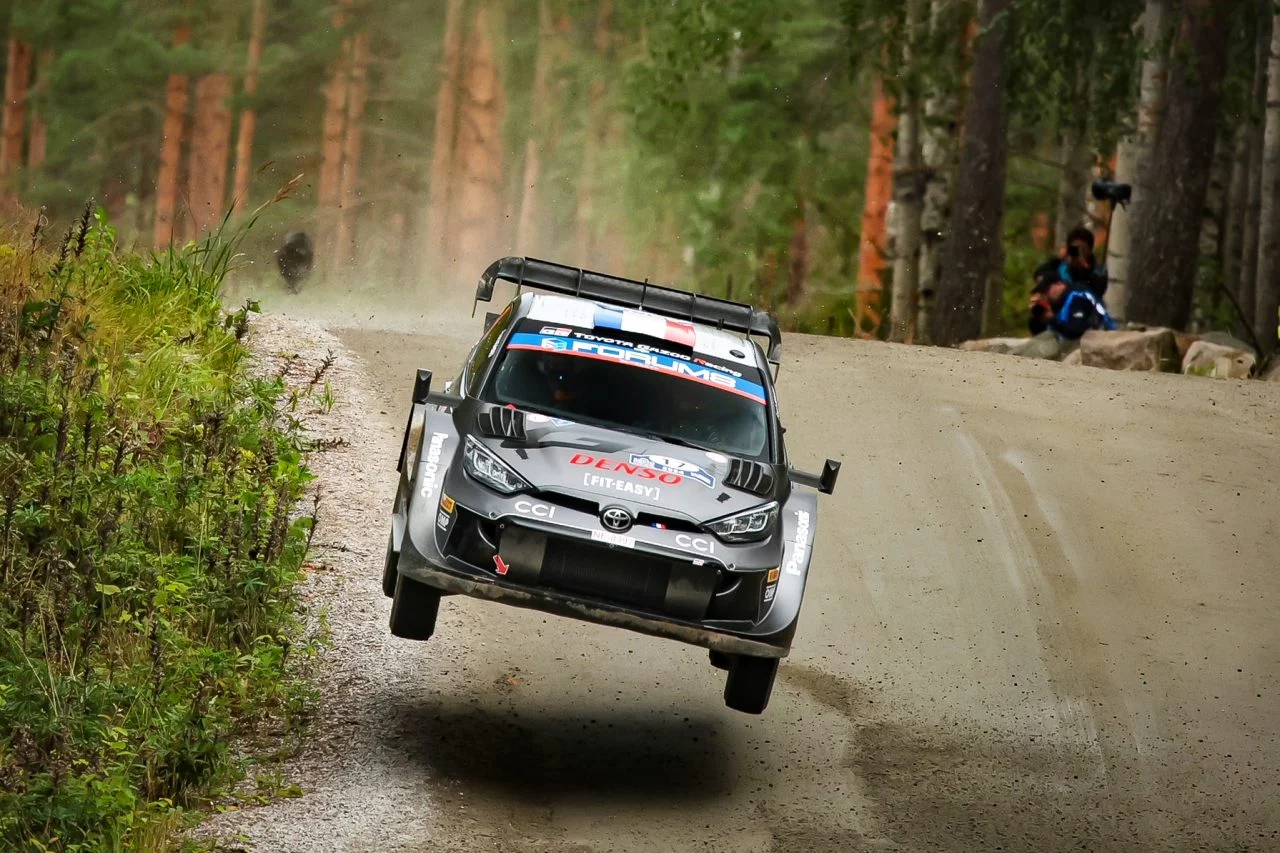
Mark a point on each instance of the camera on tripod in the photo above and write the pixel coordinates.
(1116, 193)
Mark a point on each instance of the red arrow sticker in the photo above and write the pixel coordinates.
(503, 568)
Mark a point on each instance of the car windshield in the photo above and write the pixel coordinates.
(636, 386)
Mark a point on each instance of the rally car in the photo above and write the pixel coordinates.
(610, 451)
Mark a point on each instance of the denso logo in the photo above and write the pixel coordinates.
(639, 471)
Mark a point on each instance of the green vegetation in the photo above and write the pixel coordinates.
(150, 541)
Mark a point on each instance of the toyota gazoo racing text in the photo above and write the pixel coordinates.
(610, 451)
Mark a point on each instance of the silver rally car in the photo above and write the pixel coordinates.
(611, 451)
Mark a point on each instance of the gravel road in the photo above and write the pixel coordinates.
(1042, 617)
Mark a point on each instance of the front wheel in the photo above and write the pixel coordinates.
(750, 683)
(413, 609)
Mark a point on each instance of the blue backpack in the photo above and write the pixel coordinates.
(1080, 312)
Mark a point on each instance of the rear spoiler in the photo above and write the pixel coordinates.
(628, 293)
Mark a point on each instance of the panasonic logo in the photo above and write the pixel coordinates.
(800, 554)
(431, 466)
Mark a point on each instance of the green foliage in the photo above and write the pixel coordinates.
(150, 542)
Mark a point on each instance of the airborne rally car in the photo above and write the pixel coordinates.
(610, 451)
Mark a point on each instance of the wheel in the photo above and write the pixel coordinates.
(750, 683)
(720, 660)
(389, 573)
(413, 609)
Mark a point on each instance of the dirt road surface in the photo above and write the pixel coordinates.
(1042, 617)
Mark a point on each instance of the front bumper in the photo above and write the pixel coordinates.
(466, 581)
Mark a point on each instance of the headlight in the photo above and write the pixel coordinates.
(749, 526)
(479, 462)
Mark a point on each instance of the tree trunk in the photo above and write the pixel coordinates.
(1252, 237)
(1166, 243)
(879, 192)
(334, 126)
(1073, 183)
(352, 144)
(527, 227)
(210, 150)
(440, 191)
(908, 188)
(1267, 315)
(175, 119)
(974, 251)
(938, 151)
(1236, 203)
(38, 148)
(584, 223)
(248, 117)
(1135, 152)
(798, 254)
(479, 148)
(17, 81)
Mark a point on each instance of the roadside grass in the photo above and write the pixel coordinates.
(153, 531)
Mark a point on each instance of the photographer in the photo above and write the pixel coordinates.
(1074, 270)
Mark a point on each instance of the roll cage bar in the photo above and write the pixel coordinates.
(628, 293)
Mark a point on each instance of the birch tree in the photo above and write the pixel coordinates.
(1267, 313)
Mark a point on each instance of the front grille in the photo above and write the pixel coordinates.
(630, 579)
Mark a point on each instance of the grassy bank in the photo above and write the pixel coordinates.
(152, 531)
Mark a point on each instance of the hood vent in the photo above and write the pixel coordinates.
(500, 422)
(753, 477)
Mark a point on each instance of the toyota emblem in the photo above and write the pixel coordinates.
(616, 518)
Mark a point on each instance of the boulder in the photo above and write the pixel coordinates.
(1074, 357)
(1044, 345)
(1226, 339)
(1152, 350)
(1003, 346)
(1219, 362)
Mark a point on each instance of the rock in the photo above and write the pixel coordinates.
(1226, 339)
(1044, 345)
(1153, 350)
(1003, 346)
(1219, 362)
(1074, 357)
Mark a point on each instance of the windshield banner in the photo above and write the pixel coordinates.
(624, 353)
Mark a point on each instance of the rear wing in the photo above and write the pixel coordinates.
(628, 293)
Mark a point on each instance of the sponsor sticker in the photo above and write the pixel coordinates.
(558, 331)
(695, 543)
(670, 465)
(562, 422)
(610, 538)
(597, 481)
(631, 469)
(447, 503)
(535, 418)
(800, 553)
(535, 509)
(648, 360)
(769, 593)
(431, 465)
(718, 458)
(442, 520)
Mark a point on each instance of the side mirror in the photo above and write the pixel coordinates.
(824, 482)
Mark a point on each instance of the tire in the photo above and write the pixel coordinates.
(389, 573)
(750, 683)
(413, 610)
(720, 660)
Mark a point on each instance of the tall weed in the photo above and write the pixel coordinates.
(150, 540)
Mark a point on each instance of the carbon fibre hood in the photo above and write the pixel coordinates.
(611, 467)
